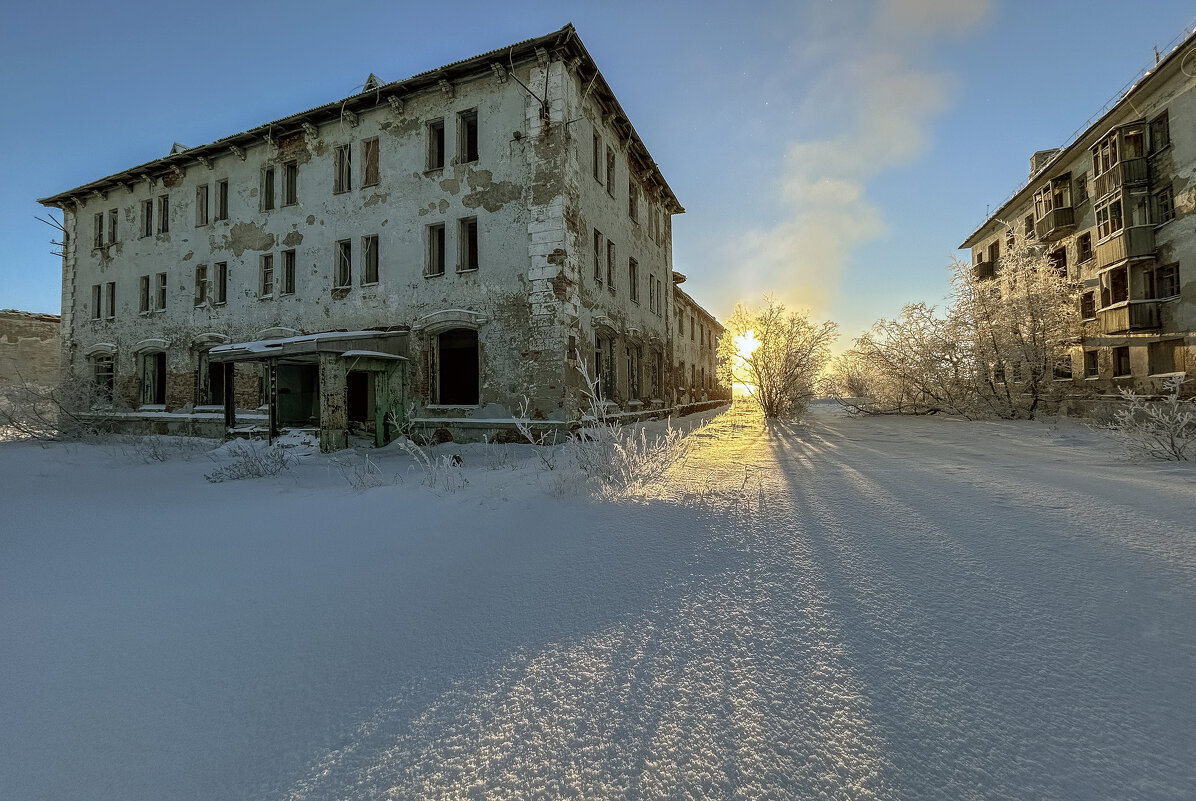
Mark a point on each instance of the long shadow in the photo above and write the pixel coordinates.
(988, 678)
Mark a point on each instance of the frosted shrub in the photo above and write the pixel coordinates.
(361, 475)
(441, 473)
(157, 448)
(252, 460)
(615, 457)
(1165, 429)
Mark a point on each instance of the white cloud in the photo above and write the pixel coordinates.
(881, 103)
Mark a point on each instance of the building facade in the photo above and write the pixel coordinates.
(1115, 209)
(428, 253)
(30, 349)
(695, 348)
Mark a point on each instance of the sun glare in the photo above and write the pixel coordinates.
(745, 345)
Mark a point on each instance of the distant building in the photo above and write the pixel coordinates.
(1115, 207)
(695, 349)
(30, 349)
(427, 252)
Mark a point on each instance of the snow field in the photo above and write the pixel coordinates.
(847, 608)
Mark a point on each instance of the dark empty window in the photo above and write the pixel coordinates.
(201, 205)
(163, 214)
(344, 263)
(290, 183)
(468, 244)
(153, 378)
(369, 259)
(287, 285)
(467, 136)
(1091, 364)
(369, 160)
(435, 264)
(436, 144)
(457, 379)
(343, 180)
(268, 188)
(1121, 361)
(222, 200)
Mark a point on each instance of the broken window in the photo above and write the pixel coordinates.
(1058, 260)
(435, 263)
(610, 171)
(369, 259)
(633, 372)
(110, 300)
(287, 284)
(211, 384)
(680, 322)
(221, 282)
(1091, 364)
(1088, 305)
(222, 200)
(201, 205)
(633, 279)
(369, 161)
(201, 284)
(467, 244)
(147, 217)
(691, 328)
(633, 200)
(467, 136)
(290, 183)
(163, 214)
(144, 301)
(597, 256)
(1121, 361)
(435, 135)
(1160, 133)
(1081, 188)
(266, 275)
(610, 265)
(113, 217)
(457, 368)
(268, 188)
(1167, 280)
(97, 236)
(1029, 226)
(1083, 248)
(1167, 356)
(95, 301)
(652, 294)
(1114, 287)
(1108, 217)
(160, 295)
(598, 166)
(153, 378)
(1164, 205)
(343, 180)
(344, 264)
(104, 372)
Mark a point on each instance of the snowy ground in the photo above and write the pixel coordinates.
(846, 609)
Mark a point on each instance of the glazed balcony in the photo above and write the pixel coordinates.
(1125, 173)
(1055, 223)
(1134, 315)
(1128, 243)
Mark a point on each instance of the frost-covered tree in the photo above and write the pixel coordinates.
(914, 364)
(995, 351)
(775, 354)
(1020, 326)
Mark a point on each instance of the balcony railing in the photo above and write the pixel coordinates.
(1128, 243)
(984, 270)
(1130, 171)
(1055, 223)
(1136, 315)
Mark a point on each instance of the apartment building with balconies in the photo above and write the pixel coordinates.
(1115, 209)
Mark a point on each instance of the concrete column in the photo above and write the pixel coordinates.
(334, 403)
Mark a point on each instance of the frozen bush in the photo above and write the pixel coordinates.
(361, 475)
(440, 473)
(1163, 429)
(252, 460)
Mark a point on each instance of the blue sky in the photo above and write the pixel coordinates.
(832, 151)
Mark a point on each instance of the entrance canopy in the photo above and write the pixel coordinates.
(306, 349)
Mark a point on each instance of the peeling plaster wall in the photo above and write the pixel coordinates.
(496, 189)
(531, 191)
(700, 351)
(1175, 241)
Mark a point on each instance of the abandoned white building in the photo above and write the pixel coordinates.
(1115, 208)
(428, 252)
(695, 348)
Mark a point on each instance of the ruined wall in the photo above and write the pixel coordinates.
(30, 348)
(506, 189)
(598, 202)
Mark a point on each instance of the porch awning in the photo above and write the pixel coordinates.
(308, 347)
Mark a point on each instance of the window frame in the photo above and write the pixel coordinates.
(147, 218)
(467, 126)
(371, 174)
(164, 214)
(221, 199)
(287, 284)
(221, 283)
(370, 271)
(201, 205)
(434, 145)
(342, 176)
(435, 259)
(342, 270)
(160, 286)
(290, 182)
(468, 245)
(265, 284)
